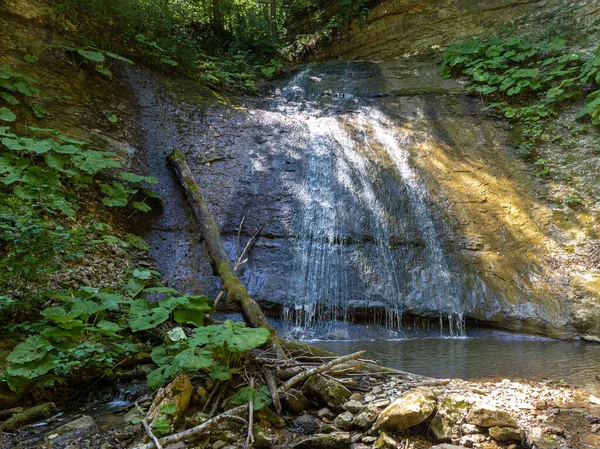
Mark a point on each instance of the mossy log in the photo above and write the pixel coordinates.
(219, 259)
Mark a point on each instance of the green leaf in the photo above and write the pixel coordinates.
(135, 286)
(30, 58)
(112, 118)
(7, 115)
(193, 312)
(92, 161)
(118, 57)
(9, 98)
(26, 89)
(168, 409)
(59, 314)
(34, 348)
(221, 373)
(192, 360)
(91, 55)
(142, 273)
(107, 328)
(35, 369)
(260, 398)
(137, 179)
(104, 71)
(168, 61)
(57, 332)
(160, 357)
(118, 196)
(141, 206)
(85, 308)
(160, 427)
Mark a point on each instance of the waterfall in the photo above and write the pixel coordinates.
(352, 228)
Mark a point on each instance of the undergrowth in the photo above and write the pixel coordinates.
(87, 331)
(529, 82)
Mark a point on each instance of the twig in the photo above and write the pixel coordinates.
(149, 431)
(250, 437)
(204, 427)
(237, 243)
(210, 396)
(311, 372)
(272, 385)
(239, 259)
(216, 404)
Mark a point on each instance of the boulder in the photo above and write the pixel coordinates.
(485, 415)
(410, 409)
(334, 440)
(327, 392)
(29, 416)
(366, 417)
(80, 428)
(504, 434)
(306, 424)
(344, 421)
(294, 401)
(451, 411)
(178, 392)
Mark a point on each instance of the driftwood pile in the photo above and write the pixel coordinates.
(283, 364)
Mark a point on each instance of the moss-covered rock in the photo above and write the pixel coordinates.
(505, 434)
(80, 428)
(29, 416)
(487, 416)
(327, 392)
(410, 409)
(334, 440)
(451, 411)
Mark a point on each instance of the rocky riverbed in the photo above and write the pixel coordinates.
(377, 410)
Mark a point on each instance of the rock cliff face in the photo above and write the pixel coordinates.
(398, 27)
(384, 190)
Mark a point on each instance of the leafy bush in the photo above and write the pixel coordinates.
(216, 349)
(527, 81)
(91, 329)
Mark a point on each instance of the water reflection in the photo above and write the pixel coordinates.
(484, 355)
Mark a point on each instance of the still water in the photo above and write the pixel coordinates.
(483, 354)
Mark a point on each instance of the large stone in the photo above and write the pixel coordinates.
(410, 409)
(366, 417)
(294, 401)
(306, 424)
(447, 421)
(344, 421)
(178, 392)
(504, 434)
(334, 440)
(80, 428)
(327, 392)
(353, 406)
(485, 415)
(29, 416)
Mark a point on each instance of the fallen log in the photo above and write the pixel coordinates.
(202, 428)
(219, 259)
(311, 372)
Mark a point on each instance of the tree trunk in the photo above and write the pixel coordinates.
(219, 259)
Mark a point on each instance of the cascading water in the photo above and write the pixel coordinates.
(348, 225)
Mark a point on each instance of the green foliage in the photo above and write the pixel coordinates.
(42, 176)
(259, 398)
(527, 81)
(102, 60)
(90, 328)
(215, 349)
